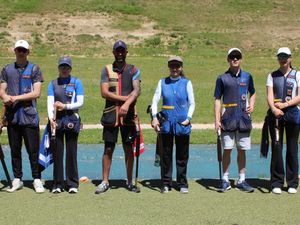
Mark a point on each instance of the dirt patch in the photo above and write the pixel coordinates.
(65, 28)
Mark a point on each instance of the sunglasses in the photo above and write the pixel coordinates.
(283, 56)
(232, 57)
(64, 67)
(23, 50)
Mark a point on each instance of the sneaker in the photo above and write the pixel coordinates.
(225, 186)
(101, 188)
(244, 186)
(133, 188)
(17, 184)
(165, 189)
(184, 190)
(56, 190)
(276, 190)
(292, 190)
(73, 190)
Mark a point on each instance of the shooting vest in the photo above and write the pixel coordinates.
(22, 113)
(175, 106)
(68, 120)
(235, 92)
(119, 84)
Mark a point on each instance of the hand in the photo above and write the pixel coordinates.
(155, 124)
(277, 113)
(59, 106)
(13, 99)
(249, 109)
(7, 100)
(53, 125)
(185, 123)
(123, 109)
(281, 105)
(217, 126)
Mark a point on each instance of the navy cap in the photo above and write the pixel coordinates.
(65, 60)
(119, 44)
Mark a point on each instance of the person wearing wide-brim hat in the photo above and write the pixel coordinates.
(234, 102)
(178, 107)
(65, 97)
(21, 84)
(283, 96)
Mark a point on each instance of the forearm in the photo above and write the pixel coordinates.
(217, 110)
(77, 104)
(50, 107)
(252, 100)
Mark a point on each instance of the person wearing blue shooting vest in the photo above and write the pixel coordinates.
(283, 96)
(66, 95)
(21, 84)
(120, 87)
(178, 106)
(234, 121)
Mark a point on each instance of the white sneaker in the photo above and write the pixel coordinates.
(292, 190)
(276, 190)
(184, 190)
(73, 190)
(17, 184)
(56, 190)
(38, 186)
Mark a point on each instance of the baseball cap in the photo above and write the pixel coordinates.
(284, 50)
(175, 58)
(234, 50)
(22, 44)
(65, 60)
(118, 44)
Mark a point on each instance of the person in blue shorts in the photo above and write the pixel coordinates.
(65, 97)
(234, 121)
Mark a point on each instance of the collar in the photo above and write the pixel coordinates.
(19, 67)
(175, 79)
(233, 74)
(116, 69)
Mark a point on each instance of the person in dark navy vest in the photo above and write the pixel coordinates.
(178, 106)
(283, 96)
(21, 84)
(232, 116)
(120, 87)
(65, 97)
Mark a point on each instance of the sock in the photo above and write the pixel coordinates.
(226, 176)
(241, 177)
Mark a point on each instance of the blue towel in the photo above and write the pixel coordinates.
(45, 152)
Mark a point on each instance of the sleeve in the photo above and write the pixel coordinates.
(79, 96)
(219, 88)
(269, 81)
(136, 75)
(50, 100)
(251, 87)
(298, 78)
(191, 100)
(3, 76)
(37, 74)
(156, 98)
(104, 76)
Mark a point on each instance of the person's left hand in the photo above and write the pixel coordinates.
(13, 99)
(249, 109)
(185, 122)
(123, 109)
(281, 105)
(59, 106)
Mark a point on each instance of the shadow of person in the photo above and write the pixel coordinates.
(263, 185)
(210, 184)
(113, 184)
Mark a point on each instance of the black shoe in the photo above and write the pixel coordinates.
(165, 189)
(133, 188)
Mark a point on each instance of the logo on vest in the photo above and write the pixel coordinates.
(70, 125)
(244, 97)
(288, 98)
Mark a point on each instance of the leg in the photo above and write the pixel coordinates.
(15, 143)
(243, 141)
(129, 161)
(292, 165)
(182, 156)
(58, 157)
(72, 179)
(32, 142)
(228, 142)
(167, 159)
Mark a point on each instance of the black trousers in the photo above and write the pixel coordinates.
(182, 156)
(31, 136)
(72, 180)
(277, 165)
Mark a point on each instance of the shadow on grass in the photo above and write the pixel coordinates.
(262, 185)
(113, 184)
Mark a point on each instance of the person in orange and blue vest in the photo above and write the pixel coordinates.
(283, 96)
(120, 87)
(234, 121)
(178, 107)
(65, 97)
(21, 84)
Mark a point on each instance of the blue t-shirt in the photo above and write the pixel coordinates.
(78, 86)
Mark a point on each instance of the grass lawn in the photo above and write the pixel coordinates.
(203, 205)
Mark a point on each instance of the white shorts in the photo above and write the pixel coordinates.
(240, 140)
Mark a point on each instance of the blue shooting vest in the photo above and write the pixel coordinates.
(283, 89)
(68, 120)
(175, 106)
(235, 102)
(22, 113)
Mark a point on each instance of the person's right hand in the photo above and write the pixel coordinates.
(53, 125)
(277, 112)
(217, 126)
(155, 124)
(6, 100)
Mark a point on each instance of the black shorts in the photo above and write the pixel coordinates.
(128, 134)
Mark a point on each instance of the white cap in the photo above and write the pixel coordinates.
(175, 58)
(284, 50)
(22, 44)
(233, 49)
